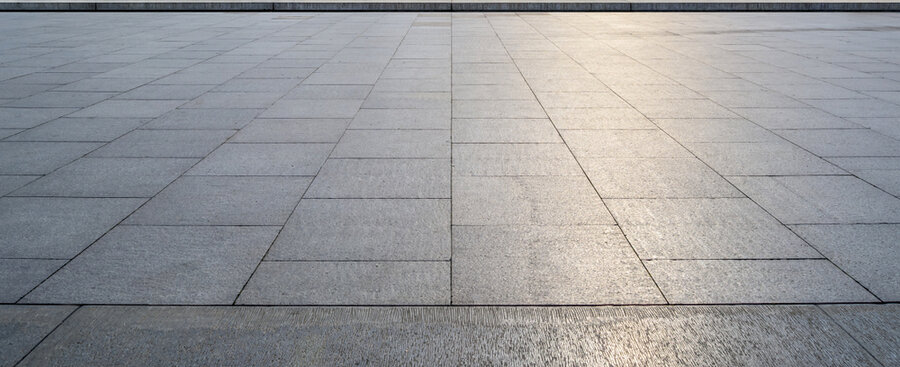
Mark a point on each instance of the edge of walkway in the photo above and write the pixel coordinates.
(445, 6)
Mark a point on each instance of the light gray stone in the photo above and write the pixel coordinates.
(775, 157)
(9, 183)
(655, 178)
(313, 108)
(844, 142)
(623, 144)
(382, 178)
(292, 131)
(164, 144)
(876, 327)
(80, 130)
(504, 131)
(219, 118)
(25, 118)
(395, 118)
(514, 160)
(109, 177)
(128, 109)
(264, 160)
(30, 158)
(393, 144)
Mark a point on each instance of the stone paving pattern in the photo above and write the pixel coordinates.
(450, 159)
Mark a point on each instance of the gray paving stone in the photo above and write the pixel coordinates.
(128, 109)
(273, 85)
(887, 126)
(4, 133)
(57, 228)
(504, 131)
(361, 283)
(164, 144)
(264, 160)
(155, 91)
(856, 107)
(109, 177)
(775, 157)
(820, 199)
(755, 99)
(25, 118)
(681, 108)
(80, 130)
(705, 229)
(868, 253)
(393, 144)
(292, 131)
(366, 229)
(313, 108)
(219, 118)
(883, 172)
(414, 100)
(216, 100)
(655, 177)
(514, 160)
(714, 130)
(30, 158)
(382, 178)
(844, 142)
(490, 92)
(401, 119)
(536, 200)
(521, 265)
(502, 109)
(24, 327)
(874, 326)
(794, 118)
(61, 99)
(623, 144)
(329, 92)
(598, 118)
(9, 183)
(21, 275)
(622, 336)
(160, 265)
(755, 281)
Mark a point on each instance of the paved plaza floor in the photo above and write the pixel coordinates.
(519, 188)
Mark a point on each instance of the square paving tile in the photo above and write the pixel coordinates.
(514, 160)
(623, 144)
(366, 229)
(776, 157)
(109, 177)
(382, 178)
(547, 265)
(655, 177)
(164, 144)
(167, 265)
(504, 131)
(33, 158)
(358, 283)
(57, 228)
(206, 200)
(705, 229)
(292, 131)
(867, 252)
(820, 199)
(22, 275)
(393, 144)
(264, 160)
(755, 281)
(544, 200)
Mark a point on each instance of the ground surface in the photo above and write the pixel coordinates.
(404, 159)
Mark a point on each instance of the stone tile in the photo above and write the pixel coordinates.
(883, 172)
(366, 229)
(164, 144)
(705, 229)
(202, 119)
(31, 158)
(22, 275)
(24, 327)
(598, 118)
(521, 265)
(414, 100)
(393, 144)
(264, 160)
(9, 183)
(382, 178)
(844, 142)
(313, 108)
(514, 160)
(329, 92)
(820, 199)
(626, 336)
(580, 100)
(889, 126)
(866, 252)
(491, 92)
(503, 109)
(61, 99)
(80, 130)
(655, 177)
(160, 265)
(292, 131)
(109, 177)
(358, 283)
(715, 130)
(775, 157)
(256, 85)
(25, 118)
(401, 119)
(545, 200)
(4, 133)
(216, 100)
(57, 228)
(504, 131)
(128, 109)
(794, 118)
(755, 281)
(875, 327)
(754, 99)
(196, 200)
(623, 144)
(155, 91)
(856, 107)
(681, 108)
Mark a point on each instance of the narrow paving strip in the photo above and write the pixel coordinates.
(582, 188)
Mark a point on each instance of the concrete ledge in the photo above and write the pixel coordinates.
(451, 6)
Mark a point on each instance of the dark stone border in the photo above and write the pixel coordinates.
(450, 6)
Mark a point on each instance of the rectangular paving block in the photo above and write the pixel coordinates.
(401, 118)
(520, 265)
(535, 200)
(415, 100)
(883, 172)
(755, 281)
(164, 144)
(216, 100)
(313, 108)
(223, 200)
(39, 158)
(681, 108)
(393, 144)
(844, 142)
(623, 144)
(875, 327)
(655, 178)
(193, 118)
(705, 229)
(264, 160)
(514, 160)
(366, 229)
(504, 131)
(867, 252)
(382, 178)
(80, 130)
(25, 118)
(61, 100)
(57, 228)
(155, 91)
(9, 183)
(22, 275)
(128, 109)
(24, 327)
(160, 265)
(292, 131)
(358, 283)
(503, 109)
(599, 118)
(714, 130)
(775, 157)
(306, 91)
(794, 118)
